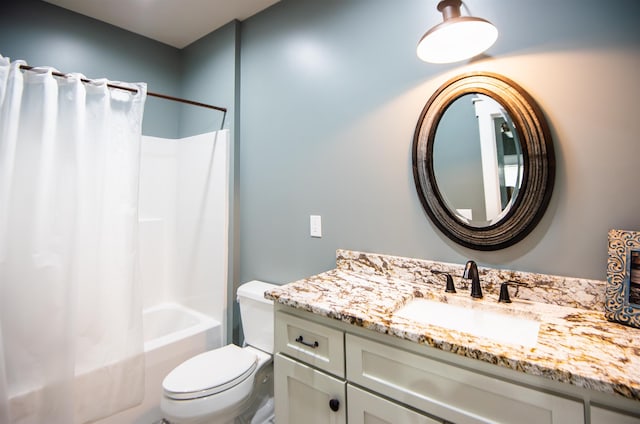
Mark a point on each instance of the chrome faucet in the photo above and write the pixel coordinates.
(471, 273)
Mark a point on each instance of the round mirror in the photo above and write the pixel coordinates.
(477, 160)
(483, 161)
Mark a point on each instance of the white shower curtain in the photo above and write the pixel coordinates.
(70, 302)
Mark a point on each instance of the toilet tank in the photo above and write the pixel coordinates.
(256, 314)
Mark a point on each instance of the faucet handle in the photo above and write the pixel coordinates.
(504, 290)
(451, 288)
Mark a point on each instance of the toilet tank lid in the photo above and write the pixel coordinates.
(255, 290)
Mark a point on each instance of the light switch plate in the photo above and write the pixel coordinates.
(315, 225)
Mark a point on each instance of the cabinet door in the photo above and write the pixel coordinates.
(605, 416)
(367, 408)
(452, 393)
(306, 395)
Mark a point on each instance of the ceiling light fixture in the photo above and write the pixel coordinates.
(457, 37)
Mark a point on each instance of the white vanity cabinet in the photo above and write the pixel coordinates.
(327, 371)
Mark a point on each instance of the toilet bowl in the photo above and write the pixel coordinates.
(225, 384)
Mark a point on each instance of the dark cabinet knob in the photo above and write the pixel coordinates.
(334, 404)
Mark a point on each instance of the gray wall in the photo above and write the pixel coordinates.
(209, 73)
(332, 90)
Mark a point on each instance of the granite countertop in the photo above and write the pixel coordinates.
(575, 344)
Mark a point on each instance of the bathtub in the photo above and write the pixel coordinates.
(169, 323)
(172, 334)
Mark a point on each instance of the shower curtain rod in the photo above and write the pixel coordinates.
(149, 93)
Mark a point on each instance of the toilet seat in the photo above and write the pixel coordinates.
(209, 373)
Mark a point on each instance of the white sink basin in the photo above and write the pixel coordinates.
(499, 327)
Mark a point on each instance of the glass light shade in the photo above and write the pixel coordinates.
(457, 39)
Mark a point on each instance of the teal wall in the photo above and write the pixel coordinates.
(208, 76)
(324, 99)
(331, 93)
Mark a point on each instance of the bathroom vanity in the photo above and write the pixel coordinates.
(353, 345)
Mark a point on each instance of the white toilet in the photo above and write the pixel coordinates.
(229, 384)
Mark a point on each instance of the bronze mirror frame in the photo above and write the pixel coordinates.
(538, 159)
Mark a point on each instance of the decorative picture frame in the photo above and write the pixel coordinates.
(623, 278)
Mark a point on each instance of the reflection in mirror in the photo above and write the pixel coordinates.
(477, 160)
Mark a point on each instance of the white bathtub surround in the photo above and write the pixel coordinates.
(70, 305)
(184, 192)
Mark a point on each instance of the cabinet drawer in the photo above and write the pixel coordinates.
(309, 342)
(449, 392)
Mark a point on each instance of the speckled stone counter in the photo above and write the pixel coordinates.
(575, 344)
